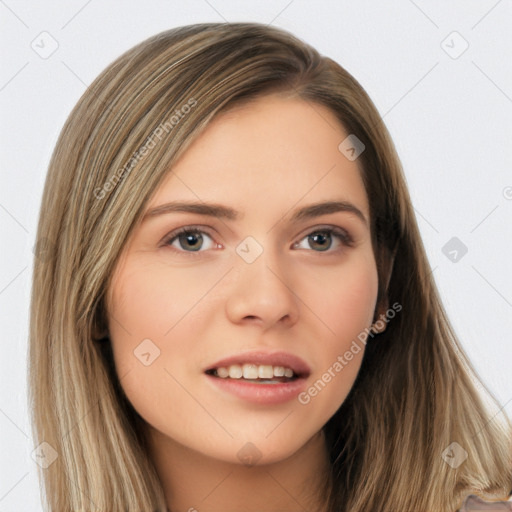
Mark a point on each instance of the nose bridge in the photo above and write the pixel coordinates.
(261, 286)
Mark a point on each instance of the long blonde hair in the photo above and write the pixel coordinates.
(416, 392)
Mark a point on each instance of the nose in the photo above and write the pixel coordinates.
(262, 294)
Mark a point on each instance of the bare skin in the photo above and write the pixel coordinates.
(305, 295)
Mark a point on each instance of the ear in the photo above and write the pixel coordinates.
(99, 329)
(387, 259)
(98, 333)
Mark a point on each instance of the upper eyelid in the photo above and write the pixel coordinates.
(185, 229)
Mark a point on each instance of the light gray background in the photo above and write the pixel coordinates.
(449, 115)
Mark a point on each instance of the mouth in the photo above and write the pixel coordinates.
(260, 366)
(259, 377)
(259, 374)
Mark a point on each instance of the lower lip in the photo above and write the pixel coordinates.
(261, 393)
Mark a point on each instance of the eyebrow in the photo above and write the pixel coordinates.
(225, 212)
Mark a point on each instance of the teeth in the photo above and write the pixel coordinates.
(253, 371)
(278, 371)
(235, 371)
(265, 371)
(250, 371)
(223, 372)
(288, 373)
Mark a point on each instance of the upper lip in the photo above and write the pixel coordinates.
(295, 363)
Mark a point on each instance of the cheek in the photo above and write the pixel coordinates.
(345, 303)
(150, 308)
(149, 300)
(147, 308)
(345, 298)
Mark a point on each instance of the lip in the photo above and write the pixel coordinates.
(263, 394)
(295, 363)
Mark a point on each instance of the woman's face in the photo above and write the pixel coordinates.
(261, 280)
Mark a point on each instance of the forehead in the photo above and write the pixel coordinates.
(273, 150)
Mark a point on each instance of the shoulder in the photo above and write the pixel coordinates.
(473, 502)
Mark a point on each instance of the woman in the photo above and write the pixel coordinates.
(234, 309)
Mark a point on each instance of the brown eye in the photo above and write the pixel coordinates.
(321, 240)
(190, 240)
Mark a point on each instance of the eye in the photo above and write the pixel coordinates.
(189, 239)
(322, 239)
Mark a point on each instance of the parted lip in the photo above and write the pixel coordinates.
(295, 363)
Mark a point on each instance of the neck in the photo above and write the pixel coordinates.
(194, 482)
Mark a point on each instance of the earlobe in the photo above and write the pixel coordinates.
(99, 323)
(389, 271)
(380, 321)
(100, 335)
(104, 337)
(99, 330)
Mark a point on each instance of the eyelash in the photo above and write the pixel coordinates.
(343, 236)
